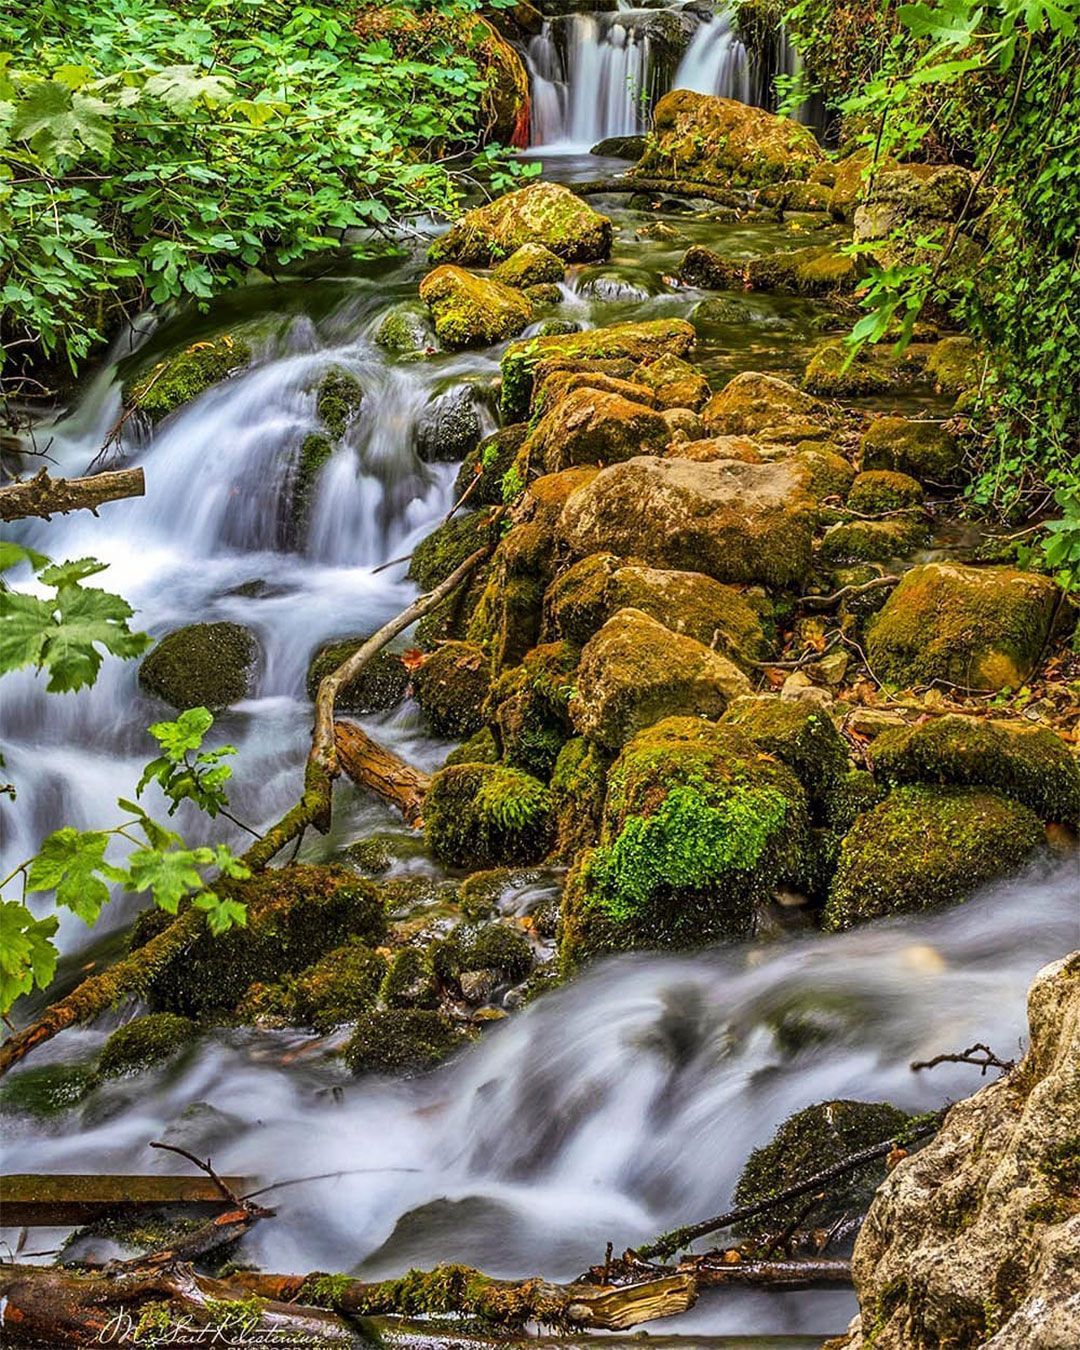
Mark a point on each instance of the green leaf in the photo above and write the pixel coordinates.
(58, 122)
(72, 863)
(12, 554)
(169, 876)
(180, 88)
(221, 914)
(27, 953)
(186, 733)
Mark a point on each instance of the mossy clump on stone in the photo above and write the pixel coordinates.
(974, 627)
(821, 269)
(578, 781)
(954, 365)
(830, 473)
(876, 491)
(542, 213)
(451, 687)
(528, 707)
(856, 541)
(45, 1090)
(450, 427)
(807, 1143)
(405, 330)
(925, 450)
(799, 734)
(481, 815)
(381, 684)
(295, 915)
(489, 462)
(530, 265)
(848, 796)
(144, 1042)
(401, 1041)
(446, 548)
(833, 372)
(699, 827)
(927, 847)
(497, 947)
(316, 451)
(410, 980)
(205, 665)
(589, 426)
(753, 402)
(1028, 763)
(472, 311)
(675, 383)
(338, 400)
(180, 378)
(337, 988)
(480, 748)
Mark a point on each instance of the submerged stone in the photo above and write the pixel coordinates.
(207, 665)
(401, 1041)
(144, 1042)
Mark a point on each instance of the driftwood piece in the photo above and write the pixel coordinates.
(711, 1273)
(44, 496)
(379, 770)
(30, 1200)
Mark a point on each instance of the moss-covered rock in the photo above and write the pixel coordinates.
(144, 1042)
(577, 795)
(381, 684)
(316, 451)
(926, 847)
(447, 546)
(480, 748)
(472, 311)
(410, 980)
(450, 428)
(630, 342)
(338, 400)
(180, 378)
(847, 797)
(481, 815)
(339, 987)
(849, 184)
(699, 827)
(489, 462)
(876, 491)
(528, 707)
(451, 688)
(752, 403)
(800, 735)
(542, 213)
(954, 365)
(925, 450)
(820, 270)
(45, 1090)
(1027, 763)
(401, 1041)
(406, 330)
(675, 383)
(498, 947)
(706, 449)
(740, 523)
(294, 916)
(590, 427)
(703, 139)
(834, 372)
(634, 672)
(855, 541)
(555, 380)
(975, 627)
(620, 147)
(530, 265)
(830, 474)
(205, 665)
(584, 597)
(807, 1143)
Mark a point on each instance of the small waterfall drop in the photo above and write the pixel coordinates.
(717, 62)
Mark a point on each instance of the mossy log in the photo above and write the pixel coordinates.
(44, 496)
(379, 770)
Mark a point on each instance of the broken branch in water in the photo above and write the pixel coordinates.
(978, 1054)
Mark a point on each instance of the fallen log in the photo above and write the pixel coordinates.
(711, 1273)
(739, 201)
(373, 767)
(31, 1200)
(44, 496)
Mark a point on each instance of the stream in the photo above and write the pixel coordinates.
(613, 1108)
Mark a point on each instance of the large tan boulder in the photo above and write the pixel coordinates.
(699, 138)
(543, 213)
(750, 523)
(472, 311)
(589, 426)
(753, 403)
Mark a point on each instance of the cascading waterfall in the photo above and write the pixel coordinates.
(717, 62)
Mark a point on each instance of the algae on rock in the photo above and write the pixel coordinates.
(205, 665)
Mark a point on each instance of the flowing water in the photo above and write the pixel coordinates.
(610, 1110)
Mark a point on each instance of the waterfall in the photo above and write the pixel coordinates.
(717, 62)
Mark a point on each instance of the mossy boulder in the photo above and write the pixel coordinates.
(205, 665)
(530, 265)
(699, 827)
(590, 427)
(703, 139)
(675, 383)
(807, 1143)
(472, 311)
(820, 270)
(444, 550)
(797, 733)
(705, 449)
(847, 797)
(401, 1041)
(183, 377)
(856, 541)
(629, 342)
(927, 847)
(316, 451)
(45, 1090)
(634, 672)
(975, 627)
(451, 687)
(483, 815)
(752, 403)
(338, 400)
(497, 947)
(410, 980)
(619, 147)
(736, 522)
(954, 365)
(585, 596)
(295, 915)
(528, 707)
(542, 213)
(329, 993)
(830, 474)
(833, 371)
(144, 1042)
(876, 491)
(925, 450)
(490, 462)
(1027, 763)
(450, 428)
(406, 330)
(577, 795)
(480, 748)
(380, 685)
(555, 381)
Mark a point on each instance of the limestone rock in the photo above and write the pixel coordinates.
(752, 402)
(592, 427)
(675, 382)
(543, 213)
(472, 311)
(530, 265)
(925, 450)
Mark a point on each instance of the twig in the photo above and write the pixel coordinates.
(226, 1190)
(407, 557)
(816, 602)
(807, 660)
(969, 1056)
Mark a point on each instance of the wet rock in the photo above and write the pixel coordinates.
(338, 400)
(592, 427)
(620, 147)
(710, 271)
(406, 330)
(1027, 763)
(410, 981)
(927, 847)
(577, 796)
(711, 448)
(447, 547)
(699, 827)
(954, 365)
(700, 138)
(401, 1041)
(451, 687)
(675, 383)
(380, 685)
(450, 428)
(480, 748)
(530, 265)
(629, 342)
(801, 736)
(327, 994)
(820, 270)
(497, 950)
(749, 523)
(925, 450)
(45, 1090)
(483, 815)
(849, 184)
(472, 311)
(684, 426)
(857, 541)
(542, 213)
(975, 627)
(183, 377)
(807, 1143)
(544, 293)
(207, 665)
(830, 473)
(528, 707)
(144, 1042)
(971, 1240)
(490, 462)
(876, 491)
(833, 372)
(635, 671)
(554, 382)
(752, 403)
(584, 597)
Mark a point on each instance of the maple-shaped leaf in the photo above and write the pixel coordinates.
(413, 659)
(27, 954)
(168, 876)
(60, 123)
(180, 88)
(72, 863)
(221, 914)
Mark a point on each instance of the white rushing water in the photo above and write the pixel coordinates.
(716, 62)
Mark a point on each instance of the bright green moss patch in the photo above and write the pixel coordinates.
(577, 795)
(490, 461)
(338, 400)
(876, 491)
(205, 665)
(799, 734)
(481, 815)
(144, 1042)
(181, 378)
(401, 1041)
